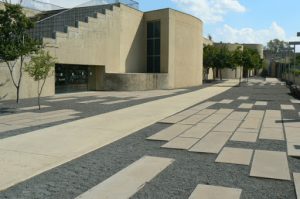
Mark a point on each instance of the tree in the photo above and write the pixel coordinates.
(223, 59)
(39, 68)
(275, 45)
(251, 60)
(238, 60)
(209, 56)
(15, 42)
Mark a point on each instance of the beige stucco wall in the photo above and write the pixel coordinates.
(117, 43)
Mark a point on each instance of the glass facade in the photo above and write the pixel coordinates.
(153, 47)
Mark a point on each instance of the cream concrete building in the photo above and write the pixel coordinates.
(117, 47)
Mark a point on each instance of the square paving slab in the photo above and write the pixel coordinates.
(215, 192)
(181, 143)
(170, 132)
(213, 142)
(246, 106)
(294, 101)
(270, 164)
(244, 137)
(198, 131)
(271, 134)
(287, 107)
(128, 181)
(235, 156)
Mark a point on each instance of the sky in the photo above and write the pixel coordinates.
(233, 21)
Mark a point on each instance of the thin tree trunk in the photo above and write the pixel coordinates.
(20, 79)
(221, 77)
(40, 92)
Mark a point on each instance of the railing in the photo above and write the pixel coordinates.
(38, 5)
(130, 3)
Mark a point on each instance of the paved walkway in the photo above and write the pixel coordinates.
(27, 155)
(217, 142)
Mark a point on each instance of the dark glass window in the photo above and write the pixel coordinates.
(153, 47)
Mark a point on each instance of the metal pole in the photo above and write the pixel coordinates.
(294, 63)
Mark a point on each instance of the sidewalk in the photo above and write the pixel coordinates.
(27, 155)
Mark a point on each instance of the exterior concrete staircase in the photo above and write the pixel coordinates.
(65, 23)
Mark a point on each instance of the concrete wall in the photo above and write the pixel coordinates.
(135, 81)
(186, 50)
(117, 43)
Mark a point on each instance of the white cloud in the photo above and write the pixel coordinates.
(250, 35)
(210, 11)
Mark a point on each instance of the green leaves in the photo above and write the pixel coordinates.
(40, 65)
(14, 38)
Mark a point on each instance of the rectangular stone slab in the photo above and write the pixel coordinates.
(187, 112)
(295, 101)
(235, 156)
(261, 103)
(297, 183)
(215, 192)
(213, 142)
(215, 118)
(173, 119)
(244, 137)
(271, 134)
(61, 99)
(246, 106)
(194, 119)
(180, 143)
(225, 101)
(243, 98)
(198, 131)
(273, 114)
(206, 112)
(251, 123)
(170, 132)
(237, 116)
(287, 107)
(128, 181)
(255, 114)
(202, 106)
(270, 164)
(227, 126)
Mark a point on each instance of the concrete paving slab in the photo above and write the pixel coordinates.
(237, 115)
(213, 142)
(173, 119)
(206, 112)
(61, 99)
(287, 107)
(198, 131)
(88, 134)
(33, 108)
(297, 183)
(244, 137)
(194, 119)
(128, 181)
(246, 106)
(235, 156)
(180, 143)
(270, 164)
(243, 98)
(293, 149)
(294, 101)
(261, 103)
(227, 126)
(215, 192)
(251, 123)
(292, 123)
(202, 106)
(114, 102)
(225, 101)
(170, 132)
(224, 111)
(273, 114)
(271, 122)
(272, 134)
(92, 101)
(188, 112)
(256, 114)
(245, 130)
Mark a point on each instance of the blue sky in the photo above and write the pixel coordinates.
(244, 21)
